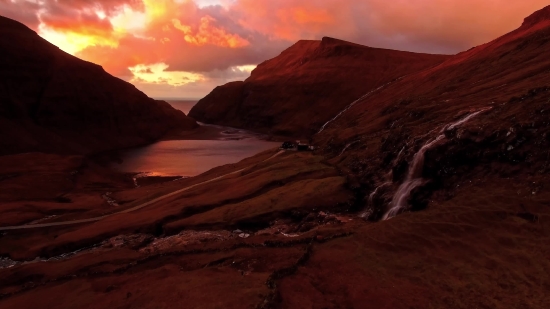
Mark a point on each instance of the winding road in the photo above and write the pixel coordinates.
(72, 222)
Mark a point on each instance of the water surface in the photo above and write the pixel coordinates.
(193, 157)
(189, 157)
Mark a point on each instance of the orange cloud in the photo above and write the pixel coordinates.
(158, 9)
(157, 74)
(74, 35)
(154, 42)
(294, 20)
(178, 34)
(207, 33)
(74, 42)
(453, 24)
(422, 25)
(305, 17)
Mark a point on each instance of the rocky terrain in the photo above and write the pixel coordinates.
(53, 102)
(296, 92)
(428, 192)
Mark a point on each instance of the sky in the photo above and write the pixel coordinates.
(185, 48)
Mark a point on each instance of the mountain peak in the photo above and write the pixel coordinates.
(53, 102)
(537, 17)
(329, 42)
(7, 24)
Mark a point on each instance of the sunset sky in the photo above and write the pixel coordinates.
(184, 48)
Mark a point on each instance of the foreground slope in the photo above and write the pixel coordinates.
(51, 101)
(296, 92)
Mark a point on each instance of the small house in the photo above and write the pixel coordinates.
(287, 145)
(298, 145)
(302, 147)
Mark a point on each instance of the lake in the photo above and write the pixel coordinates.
(193, 157)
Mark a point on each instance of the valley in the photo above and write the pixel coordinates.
(427, 188)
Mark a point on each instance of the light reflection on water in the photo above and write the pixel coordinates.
(189, 157)
(192, 157)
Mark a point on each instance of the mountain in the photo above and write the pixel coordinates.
(429, 192)
(51, 101)
(490, 105)
(296, 92)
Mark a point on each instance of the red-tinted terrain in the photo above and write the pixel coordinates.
(56, 112)
(456, 154)
(296, 92)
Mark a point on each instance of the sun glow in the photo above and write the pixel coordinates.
(245, 68)
(135, 22)
(157, 9)
(157, 74)
(72, 42)
(128, 20)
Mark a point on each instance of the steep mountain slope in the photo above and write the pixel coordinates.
(480, 114)
(306, 85)
(53, 102)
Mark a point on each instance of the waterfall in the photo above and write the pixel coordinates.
(373, 194)
(347, 146)
(357, 101)
(414, 178)
(368, 212)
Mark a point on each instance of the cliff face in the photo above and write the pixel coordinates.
(296, 92)
(51, 101)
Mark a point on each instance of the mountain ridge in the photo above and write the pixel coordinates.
(51, 101)
(296, 92)
(542, 15)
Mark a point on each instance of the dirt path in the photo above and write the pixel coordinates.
(32, 226)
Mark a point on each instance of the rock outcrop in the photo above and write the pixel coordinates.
(540, 16)
(53, 102)
(295, 93)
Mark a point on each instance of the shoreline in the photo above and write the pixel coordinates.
(201, 133)
(143, 181)
(205, 132)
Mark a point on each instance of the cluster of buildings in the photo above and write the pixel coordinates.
(297, 146)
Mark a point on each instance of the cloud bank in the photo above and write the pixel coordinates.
(184, 48)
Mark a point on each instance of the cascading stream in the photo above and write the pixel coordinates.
(347, 146)
(357, 101)
(414, 178)
(365, 214)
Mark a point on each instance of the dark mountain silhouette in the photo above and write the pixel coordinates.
(51, 101)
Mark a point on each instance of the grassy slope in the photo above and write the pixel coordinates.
(272, 189)
(471, 252)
